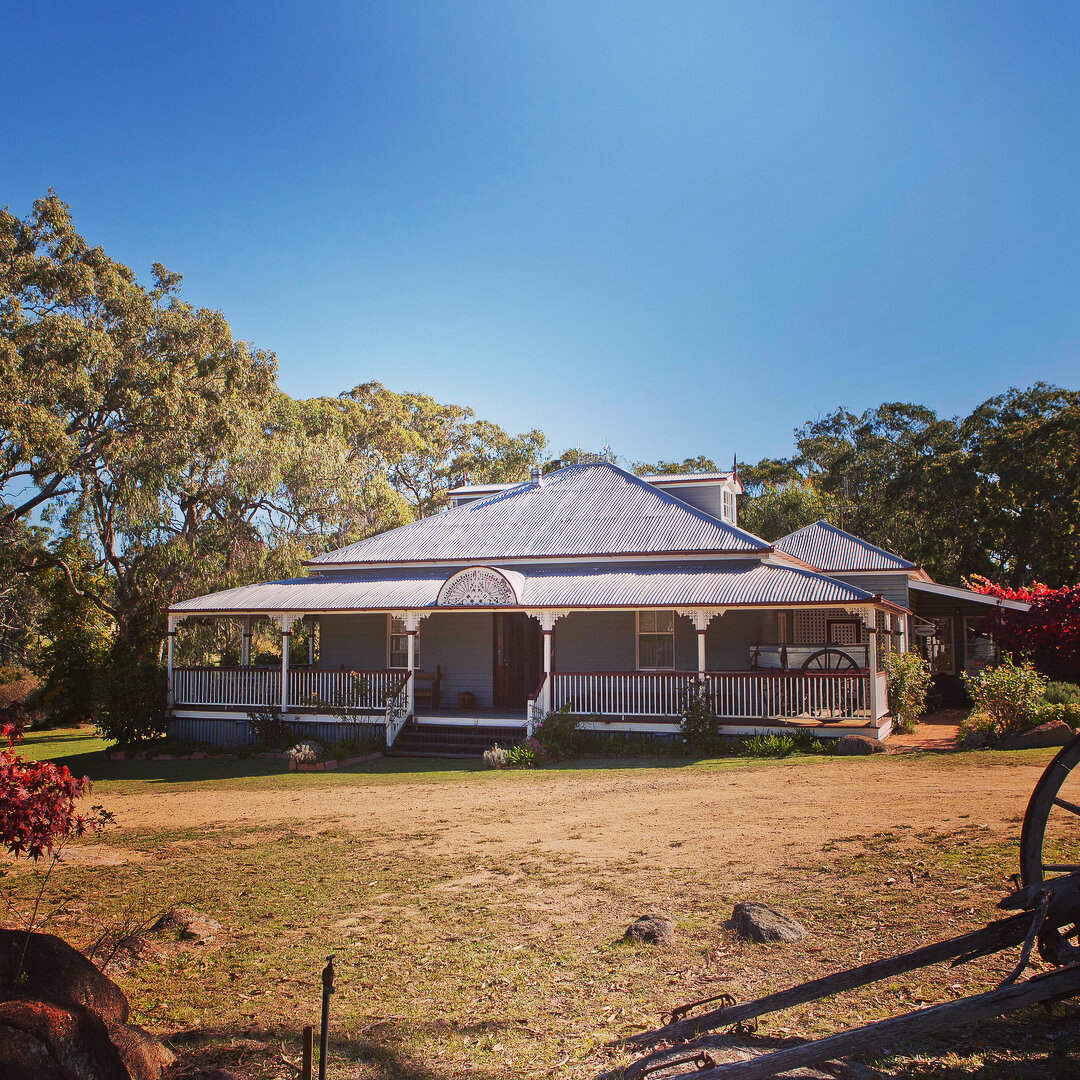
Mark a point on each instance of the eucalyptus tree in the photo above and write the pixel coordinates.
(117, 401)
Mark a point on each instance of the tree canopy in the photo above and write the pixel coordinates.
(146, 455)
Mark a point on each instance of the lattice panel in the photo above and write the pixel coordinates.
(809, 626)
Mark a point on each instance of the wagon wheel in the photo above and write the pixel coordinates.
(829, 660)
(1050, 841)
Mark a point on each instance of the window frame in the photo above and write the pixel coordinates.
(950, 640)
(654, 633)
(391, 633)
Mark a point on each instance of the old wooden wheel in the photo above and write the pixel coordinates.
(1050, 841)
(830, 660)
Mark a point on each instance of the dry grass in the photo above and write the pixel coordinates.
(487, 966)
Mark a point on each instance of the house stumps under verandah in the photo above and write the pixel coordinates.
(476, 658)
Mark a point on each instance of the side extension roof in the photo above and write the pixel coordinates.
(831, 550)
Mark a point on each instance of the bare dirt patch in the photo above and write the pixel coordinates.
(734, 815)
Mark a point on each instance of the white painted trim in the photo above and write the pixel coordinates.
(966, 594)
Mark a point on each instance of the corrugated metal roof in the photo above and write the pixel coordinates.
(595, 509)
(686, 478)
(736, 583)
(833, 551)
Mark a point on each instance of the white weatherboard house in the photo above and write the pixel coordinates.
(589, 587)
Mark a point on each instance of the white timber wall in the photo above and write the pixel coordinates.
(461, 644)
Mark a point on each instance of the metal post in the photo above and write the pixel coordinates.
(309, 1046)
(245, 643)
(324, 1031)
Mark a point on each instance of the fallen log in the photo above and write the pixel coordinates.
(887, 1035)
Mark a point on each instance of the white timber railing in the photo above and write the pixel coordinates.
(244, 686)
(630, 693)
(397, 709)
(343, 689)
(753, 695)
(818, 695)
(882, 695)
(252, 687)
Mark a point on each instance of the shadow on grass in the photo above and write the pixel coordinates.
(234, 1047)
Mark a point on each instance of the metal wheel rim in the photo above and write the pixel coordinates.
(1045, 800)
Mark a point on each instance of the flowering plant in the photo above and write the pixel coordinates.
(1047, 635)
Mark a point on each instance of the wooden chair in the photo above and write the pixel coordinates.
(426, 687)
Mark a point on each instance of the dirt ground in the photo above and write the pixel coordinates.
(742, 816)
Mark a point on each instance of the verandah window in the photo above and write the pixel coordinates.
(398, 645)
(656, 639)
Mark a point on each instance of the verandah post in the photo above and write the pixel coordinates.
(286, 624)
(174, 622)
(869, 616)
(245, 642)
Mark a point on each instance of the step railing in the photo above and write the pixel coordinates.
(397, 709)
(534, 709)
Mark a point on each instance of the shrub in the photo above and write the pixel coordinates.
(697, 719)
(496, 757)
(767, 746)
(557, 733)
(805, 743)
(306, 753)
(628, 744)
(1048, 711)
(269, 729)
(1062, 693)
(909, 678)
(356, 746)
(978, 731)
(1009, 693)
(526, 756)
(133, 699)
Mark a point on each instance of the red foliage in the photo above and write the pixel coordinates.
(1048, 634)
(37, 798)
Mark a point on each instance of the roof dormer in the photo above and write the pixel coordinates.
(714, 493)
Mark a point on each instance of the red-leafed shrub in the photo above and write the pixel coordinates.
(37, 798)
(1048, 635)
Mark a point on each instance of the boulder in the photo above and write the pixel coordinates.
(859, 744)
(1052, 733)
(43, 1041)
(653, 928)
(55, 972)
(188, 924)
(144, 1056)
(758, 922)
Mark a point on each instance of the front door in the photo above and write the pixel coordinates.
(516, 660)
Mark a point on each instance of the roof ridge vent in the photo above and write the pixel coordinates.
(536, 477)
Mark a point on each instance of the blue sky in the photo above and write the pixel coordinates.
(679, 228)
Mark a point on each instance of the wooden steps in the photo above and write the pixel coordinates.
(452, 740)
